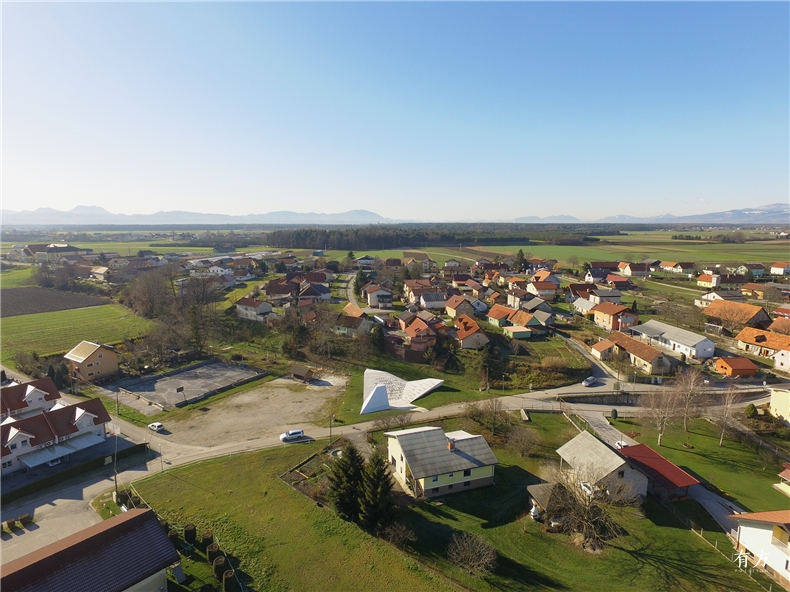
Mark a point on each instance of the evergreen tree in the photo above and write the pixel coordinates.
(375, 501)
(359, 281)
(345, 483)
(377, 337)
(521, 261)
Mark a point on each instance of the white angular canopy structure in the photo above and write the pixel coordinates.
(383, 391)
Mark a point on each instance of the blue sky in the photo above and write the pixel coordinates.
(446, 111)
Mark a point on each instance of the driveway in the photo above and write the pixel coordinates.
(717, 506)
(598, 422)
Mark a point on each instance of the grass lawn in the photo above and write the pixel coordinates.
(50, 333)
(282, 540)
(735, 468)
(17, 277)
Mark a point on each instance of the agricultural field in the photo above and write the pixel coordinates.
(26, 301)
(57, 332)
(16, 277)
(282, 540)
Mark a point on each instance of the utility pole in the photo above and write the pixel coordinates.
(331, 421)
(161, 458)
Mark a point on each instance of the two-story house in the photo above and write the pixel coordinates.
(92, 362)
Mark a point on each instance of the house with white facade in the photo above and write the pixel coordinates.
(675, 339)
(763, 539)
(780, 268)
(253, 309)
(50, 435)
(599, 296)
(428, 463)
(29, 398)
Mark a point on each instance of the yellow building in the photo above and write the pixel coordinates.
(427, 462)
(780, 404)
(92, 362)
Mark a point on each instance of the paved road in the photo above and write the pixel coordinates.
(598, 422)
(717, 506)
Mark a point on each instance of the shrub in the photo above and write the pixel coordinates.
(471, 553)
(553, 363)
(614, 414)
(751, 411)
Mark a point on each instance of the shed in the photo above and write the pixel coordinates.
(301, 373)
(736, 367)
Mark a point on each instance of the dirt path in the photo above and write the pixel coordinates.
(274, 406)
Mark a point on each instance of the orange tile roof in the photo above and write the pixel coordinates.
(780, 325)
(455, 301)
(603, 345)
(609, 308)
(771, 517)
(466, 326)
(739, 363)
(634, 347)
(762, 338)
(739, 312)
(521, 317)
(500, 311)
(544, 285)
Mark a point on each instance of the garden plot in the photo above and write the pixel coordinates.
(23, 301)
(265, 409)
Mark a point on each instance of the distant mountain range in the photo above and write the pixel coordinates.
(778, 213)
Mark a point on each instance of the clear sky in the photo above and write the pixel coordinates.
(448, 111)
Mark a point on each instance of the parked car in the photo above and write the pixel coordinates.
(620, 444)
(589, 381)
(291, 435)
(53, 462)
(156, 426)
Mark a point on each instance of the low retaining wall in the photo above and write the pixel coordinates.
(222, 389)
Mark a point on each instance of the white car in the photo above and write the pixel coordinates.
(156, 426)
(54, 462)
(291, 435)
(589, 381)
(620, 444)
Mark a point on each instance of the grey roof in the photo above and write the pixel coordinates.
(654, 328)
(543, 316)
(586, 452)
(533, 304)
(427, 454)
(110, 556)
(405, 315)
(606, 292)
(434, 296)
(541, 493)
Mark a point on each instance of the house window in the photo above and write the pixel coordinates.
(12, 447)
(90, 373)
(401, 458)
(90, 364)
(620, 474)
(100, 354)
(435, 479)
(8, 464)
(467, 483)
(435, 490)
(449, 486)
(97, 363)
(24, 443)
(392, 461)
(451, 474)
(98, 371)
(467, 472)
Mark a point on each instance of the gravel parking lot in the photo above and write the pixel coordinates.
(267, 408)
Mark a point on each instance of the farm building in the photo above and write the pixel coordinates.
(675, 339)
(736, 367)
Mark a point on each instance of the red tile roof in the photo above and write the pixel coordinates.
(466, 326)
(609, 308)
(544, 286)
(12, 398)
(662, 471)
(765, 339)
(771, 517)
(455, 302)
(499, 312)
(739, 363)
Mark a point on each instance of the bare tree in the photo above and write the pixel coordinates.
(588, 509)
(471, 553)
(688, 388)
(492, 412)
(724, 411)
(660, 409)
(399, 535)
(523, 440)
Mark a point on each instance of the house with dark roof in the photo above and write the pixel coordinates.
(352, 326)
(126, 553)
(29, 398)
(428, 463)
(664, 478)
(763, 539)
(433, 299)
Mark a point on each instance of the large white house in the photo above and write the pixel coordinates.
(253, 309)
(30, 398)
(675, 339)
(763, 541)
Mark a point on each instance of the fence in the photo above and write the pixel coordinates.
(180, 529)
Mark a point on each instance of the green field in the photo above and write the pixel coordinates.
(16, 277)
(282, 539)
(57, 332)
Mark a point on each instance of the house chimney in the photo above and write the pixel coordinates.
(450, 444)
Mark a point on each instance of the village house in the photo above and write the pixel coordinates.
(420, 335)
(593, 463)
(352, 326)
(735, 315)
(469, 333)
(29, 398)
(595, 276)
(707, 280)
(518, 296)
(677, 266)
(634, 270)
(640, 355)
(762, 343)
(499, 315)
(780, 268)
(732, 281)
(619, 282)
(378, 297)
(525, 325)
(780, 325)
(600, 296)
(545, 275)
(458, 305)
(92, 362)
(543, 290)
(613, 317)
(780, 405)
(675, 339)
(428, 463)
(32, 441)
(353, 310)
(478, 305)
(253, 309)
(764, 538)
(429, 300)
(537, 304)
(736, 367)
(583, 306)
(130, 552)
(574, 291)
(731, 296)
(665, 479)
(756, 269)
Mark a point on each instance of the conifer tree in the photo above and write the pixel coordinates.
(375, 501)
(345, 483)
